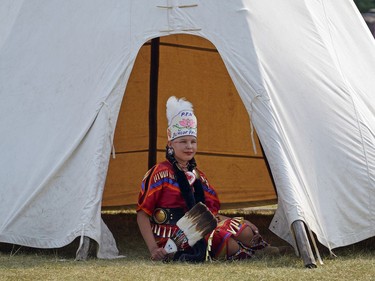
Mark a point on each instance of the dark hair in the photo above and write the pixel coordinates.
(187, 193)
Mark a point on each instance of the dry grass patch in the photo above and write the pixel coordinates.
(28, 266)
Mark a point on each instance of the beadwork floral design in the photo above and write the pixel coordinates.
(186, 124)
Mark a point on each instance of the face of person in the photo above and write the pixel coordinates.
(184, 148)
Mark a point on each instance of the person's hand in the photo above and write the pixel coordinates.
(158, 254)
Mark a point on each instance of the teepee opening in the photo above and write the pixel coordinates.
(187, 66)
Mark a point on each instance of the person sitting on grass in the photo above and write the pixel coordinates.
(174, 186)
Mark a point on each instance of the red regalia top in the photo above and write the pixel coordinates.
(160, 189)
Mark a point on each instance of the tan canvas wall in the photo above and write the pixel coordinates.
(189, 67)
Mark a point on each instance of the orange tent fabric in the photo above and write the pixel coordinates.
(189, 67)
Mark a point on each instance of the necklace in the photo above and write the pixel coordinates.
(183, 167)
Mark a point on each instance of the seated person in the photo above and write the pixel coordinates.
(174, 186)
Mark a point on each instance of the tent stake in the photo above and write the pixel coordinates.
(303, 244)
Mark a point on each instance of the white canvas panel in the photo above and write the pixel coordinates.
(61, 66)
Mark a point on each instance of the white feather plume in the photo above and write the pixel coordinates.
(175, 105)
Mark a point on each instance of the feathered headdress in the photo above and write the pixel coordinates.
(181, 118)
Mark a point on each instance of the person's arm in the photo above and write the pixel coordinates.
(146, 231)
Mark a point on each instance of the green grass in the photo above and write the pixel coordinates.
(356, 262)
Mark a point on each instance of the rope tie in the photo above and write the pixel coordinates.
(316, 248)
(81, 238)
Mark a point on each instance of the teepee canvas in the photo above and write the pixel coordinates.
(303, 71)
